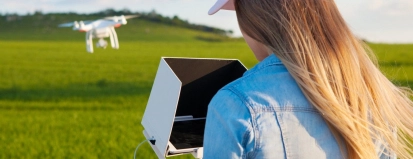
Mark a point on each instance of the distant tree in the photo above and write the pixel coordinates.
(176, 21)
(109, 11)
(38, 12)
(126, 11)
(153, 13)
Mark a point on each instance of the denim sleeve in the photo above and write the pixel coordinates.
(228, 130)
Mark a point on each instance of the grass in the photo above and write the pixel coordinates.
(57, 101)
(395, 61)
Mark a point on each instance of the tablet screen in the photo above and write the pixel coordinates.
(188, 134)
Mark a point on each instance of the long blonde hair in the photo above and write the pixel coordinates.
(337, 73)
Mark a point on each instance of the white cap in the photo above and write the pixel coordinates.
(222, 4)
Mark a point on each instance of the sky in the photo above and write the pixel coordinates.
(384, 21)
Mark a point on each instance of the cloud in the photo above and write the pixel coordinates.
(379, 20)
(391, 7)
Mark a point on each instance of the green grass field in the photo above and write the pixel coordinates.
(57, 101)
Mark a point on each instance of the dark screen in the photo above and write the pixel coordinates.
(188, 134)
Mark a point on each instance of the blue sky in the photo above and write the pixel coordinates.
(389, 21)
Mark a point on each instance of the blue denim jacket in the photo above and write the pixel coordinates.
(264, 114)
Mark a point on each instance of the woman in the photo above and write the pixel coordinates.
(317, 92)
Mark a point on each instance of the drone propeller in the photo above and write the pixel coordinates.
(119, 17)
(70, 24)
(130, 16)
(75, 23)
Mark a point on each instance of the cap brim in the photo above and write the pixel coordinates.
(220, 4)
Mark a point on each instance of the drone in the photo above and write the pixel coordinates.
(100, 29)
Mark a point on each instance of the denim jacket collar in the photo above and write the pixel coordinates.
(268, 61)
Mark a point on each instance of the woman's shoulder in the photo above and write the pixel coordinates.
(270, 116)
(268, 85)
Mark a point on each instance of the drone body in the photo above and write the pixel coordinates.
(100, 29)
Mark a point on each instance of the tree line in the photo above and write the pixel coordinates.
(151, 16)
